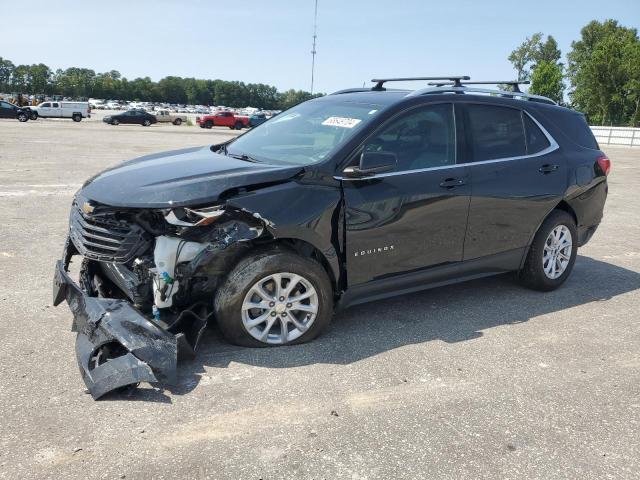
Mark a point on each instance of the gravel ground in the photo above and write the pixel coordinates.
(478, 380)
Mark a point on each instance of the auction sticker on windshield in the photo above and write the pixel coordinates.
(343, 122)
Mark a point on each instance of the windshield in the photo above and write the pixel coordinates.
(304, 134)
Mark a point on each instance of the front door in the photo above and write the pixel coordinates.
(517, 177)
(7, 110)
(415, 216)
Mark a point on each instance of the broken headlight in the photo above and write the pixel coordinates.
(193, 217)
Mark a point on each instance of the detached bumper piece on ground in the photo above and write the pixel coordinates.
(116, 345)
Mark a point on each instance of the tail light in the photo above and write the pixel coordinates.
(605, 164)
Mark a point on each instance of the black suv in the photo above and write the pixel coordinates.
(352, 197)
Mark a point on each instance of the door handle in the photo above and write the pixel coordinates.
(450, 183)
(547, 168)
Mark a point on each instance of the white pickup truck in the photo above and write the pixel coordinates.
(165, 116)
(74, 110)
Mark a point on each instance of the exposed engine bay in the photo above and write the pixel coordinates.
(145, 285)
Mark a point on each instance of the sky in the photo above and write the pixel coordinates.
(269, 41)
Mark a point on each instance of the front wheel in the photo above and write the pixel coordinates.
(552, 254)
(274, 298)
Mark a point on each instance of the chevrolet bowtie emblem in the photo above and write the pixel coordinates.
(87, 207)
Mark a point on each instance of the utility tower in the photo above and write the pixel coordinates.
(313, 48)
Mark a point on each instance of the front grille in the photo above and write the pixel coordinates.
(106, 238)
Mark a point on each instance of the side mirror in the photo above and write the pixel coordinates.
(372, 163)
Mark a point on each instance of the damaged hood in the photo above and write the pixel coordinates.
(185, 177)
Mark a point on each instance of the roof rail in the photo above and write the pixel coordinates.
(463, 89)
(515, 84)
(454, 79)
(351, 90)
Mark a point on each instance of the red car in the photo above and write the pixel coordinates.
(223, 119)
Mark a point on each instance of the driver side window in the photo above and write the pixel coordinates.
(423, 138)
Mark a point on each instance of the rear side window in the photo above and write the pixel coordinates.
(496, 132)
(536, 140)
(575, 126)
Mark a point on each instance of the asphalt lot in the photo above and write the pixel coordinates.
(478, 380)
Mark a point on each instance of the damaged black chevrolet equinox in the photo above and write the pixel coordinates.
(352, 197)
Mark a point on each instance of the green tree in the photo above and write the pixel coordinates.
(604, 71)
(531, 52)
(39, 79)
(546, 80)
(83, 83)
(6, 72)
(292, 97)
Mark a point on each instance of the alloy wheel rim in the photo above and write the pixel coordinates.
(279, 308)
(557, 252)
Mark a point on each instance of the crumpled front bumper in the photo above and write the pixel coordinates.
(152, 352)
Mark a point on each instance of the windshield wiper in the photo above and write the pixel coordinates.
(243, 156)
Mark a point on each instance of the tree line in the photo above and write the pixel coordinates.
(86, 83)
(602, 72)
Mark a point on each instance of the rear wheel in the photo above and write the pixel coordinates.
(552, 254)
(76, 117)
(274, 298)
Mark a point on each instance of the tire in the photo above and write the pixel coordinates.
(33, 115)
(258, 267)
(239, 125)
(535, 273)
(76, 117)
(177, 121)
(22, 117)
(115, 122)
(208, 124)
(146, 122)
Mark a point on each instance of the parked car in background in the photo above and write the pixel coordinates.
(165, 116)
(223, 119)
(136, 117)
(257, 119)
(9, 110)
(74, 110)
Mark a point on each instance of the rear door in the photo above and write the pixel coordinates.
(56, 110)
(517, 177)
(414, 217)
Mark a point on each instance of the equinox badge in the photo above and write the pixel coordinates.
(371, 251)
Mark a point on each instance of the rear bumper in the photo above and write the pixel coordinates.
(151, 352)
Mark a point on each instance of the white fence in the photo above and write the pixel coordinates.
(617, 136)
